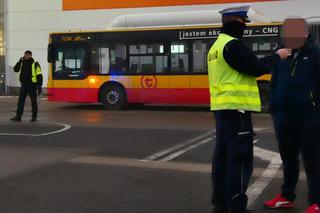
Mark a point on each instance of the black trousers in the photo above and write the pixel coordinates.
(233, 159)
(297, 133)
(26, 90)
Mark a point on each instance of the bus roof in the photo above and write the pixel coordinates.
(156, 28)
(175, 19)
(170, 20)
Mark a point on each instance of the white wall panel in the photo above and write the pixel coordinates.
(33, 5)
(28, 40)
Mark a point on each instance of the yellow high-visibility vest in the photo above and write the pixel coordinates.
(229, 89)
(35, 71)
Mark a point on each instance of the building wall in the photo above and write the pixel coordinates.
(28, 23)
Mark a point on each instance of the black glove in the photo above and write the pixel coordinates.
(39, 90)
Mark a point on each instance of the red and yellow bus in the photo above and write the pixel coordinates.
(161, 65)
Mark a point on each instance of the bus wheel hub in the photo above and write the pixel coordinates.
(113, 97)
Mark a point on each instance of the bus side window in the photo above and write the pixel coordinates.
(100, 60)
(179, 57)
(118, 59)
(147, 59)
(199, 55)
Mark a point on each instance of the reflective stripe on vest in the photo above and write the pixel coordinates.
(35, 71)
(229, 89)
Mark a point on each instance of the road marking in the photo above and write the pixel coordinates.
(174, 166)
(189, 148)
(176, 147)
(7, 97)
(65, 128)
(255, 190)
(259, 129)
(186, 146)
(12, 97)
(267, 176)
(125, 162)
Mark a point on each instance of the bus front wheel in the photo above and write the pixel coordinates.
(113, 97)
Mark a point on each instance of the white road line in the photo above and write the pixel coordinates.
(256, 188)
(177, 147)
(7, 97)
(267, 176)
(256, 141)
(176, 166)
(12, 97)
(65, 128)
(184, 144)
(259, 129)
(189, 148)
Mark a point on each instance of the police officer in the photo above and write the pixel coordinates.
(295, 108)
(234, 94)
(31, 79)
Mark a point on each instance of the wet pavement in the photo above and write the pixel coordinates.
(145, 159)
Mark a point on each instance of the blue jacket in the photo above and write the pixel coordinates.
(295, 84)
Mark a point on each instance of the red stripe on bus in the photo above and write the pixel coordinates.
(154, 96)
(173, 96)
(75, 95)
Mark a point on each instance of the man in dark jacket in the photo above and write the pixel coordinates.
(295, 107)
(31, 83)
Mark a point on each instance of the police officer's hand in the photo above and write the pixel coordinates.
(284, 53)
(39, 90)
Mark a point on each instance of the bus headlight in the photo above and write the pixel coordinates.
(93, 80)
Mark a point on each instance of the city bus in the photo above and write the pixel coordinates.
(146, 65)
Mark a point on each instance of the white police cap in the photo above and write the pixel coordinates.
(241, 11)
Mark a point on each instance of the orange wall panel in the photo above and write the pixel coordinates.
(113, 4)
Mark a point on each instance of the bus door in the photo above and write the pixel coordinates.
(180, 73)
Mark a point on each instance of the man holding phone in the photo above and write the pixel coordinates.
(31, 79)
(295, 108)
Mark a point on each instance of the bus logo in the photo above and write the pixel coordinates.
(148, 82)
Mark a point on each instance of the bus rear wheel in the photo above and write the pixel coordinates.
(113, 97)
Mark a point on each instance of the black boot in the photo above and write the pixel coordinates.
(33, 119)
(16, 118)
(238, 204)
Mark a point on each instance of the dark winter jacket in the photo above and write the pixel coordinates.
(26, 72)
(295, 84)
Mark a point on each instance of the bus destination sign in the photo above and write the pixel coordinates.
(70, 38)
(260, 31)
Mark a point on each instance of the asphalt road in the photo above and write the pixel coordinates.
(146, 159)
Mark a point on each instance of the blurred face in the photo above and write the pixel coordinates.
(27, 56)
(294, 33)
